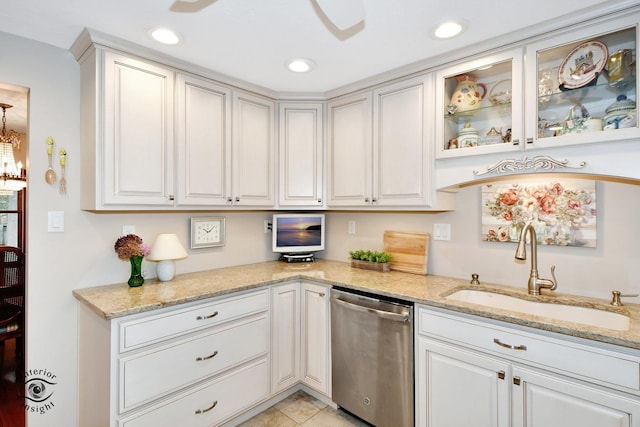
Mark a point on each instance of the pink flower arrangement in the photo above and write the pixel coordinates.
(131, 245)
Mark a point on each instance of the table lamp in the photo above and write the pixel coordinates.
(165, 249)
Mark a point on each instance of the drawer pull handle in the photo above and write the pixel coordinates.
(516, 380)
(207, 317)
(512, 347)
(501, 375)
(211, 356)
(321, 294)
(202, 411)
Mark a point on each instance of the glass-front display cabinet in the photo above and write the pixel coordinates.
(581, 86)
(479, 107)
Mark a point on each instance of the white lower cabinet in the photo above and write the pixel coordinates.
(285, 336)
(198, 365)
(457, 386)
(315, 341)
(474, 372)
(210, 403)
(300, 336)
(544, 400)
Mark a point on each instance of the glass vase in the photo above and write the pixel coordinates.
(136, 278)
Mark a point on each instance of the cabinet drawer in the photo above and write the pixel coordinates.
(150, 329)
(232, 393)
(151, 374)
(582, 361)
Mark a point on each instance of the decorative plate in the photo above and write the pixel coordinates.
(582, 65)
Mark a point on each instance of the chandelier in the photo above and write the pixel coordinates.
(12, 177)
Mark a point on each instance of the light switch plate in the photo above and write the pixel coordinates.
(441, 231)
(55, 222)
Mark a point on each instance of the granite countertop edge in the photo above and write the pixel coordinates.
(119, 300)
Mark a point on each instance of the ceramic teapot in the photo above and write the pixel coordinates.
(467, 96)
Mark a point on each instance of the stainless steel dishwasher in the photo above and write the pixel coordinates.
(372, 358)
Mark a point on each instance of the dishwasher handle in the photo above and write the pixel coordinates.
(397, 317)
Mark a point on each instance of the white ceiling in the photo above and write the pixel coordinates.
(251, 39)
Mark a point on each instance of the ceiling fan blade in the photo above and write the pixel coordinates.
(343, 14)
(190, 6)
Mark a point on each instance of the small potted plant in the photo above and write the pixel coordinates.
(370, 260)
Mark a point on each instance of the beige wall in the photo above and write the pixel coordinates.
(83, 255)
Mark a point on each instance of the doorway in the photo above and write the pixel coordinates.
(14, 101)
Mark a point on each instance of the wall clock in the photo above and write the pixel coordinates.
(207, 232)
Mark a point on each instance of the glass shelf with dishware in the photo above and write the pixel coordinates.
(479, 102)
(586, 89)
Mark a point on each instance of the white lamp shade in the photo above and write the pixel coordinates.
(166, 247)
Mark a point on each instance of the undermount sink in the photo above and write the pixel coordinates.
(569, 313)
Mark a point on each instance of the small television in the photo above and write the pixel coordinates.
(298, 233)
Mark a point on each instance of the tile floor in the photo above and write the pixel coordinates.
(300, 409)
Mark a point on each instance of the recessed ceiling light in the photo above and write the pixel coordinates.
(300, 65)
(447, 30)
(165, 36)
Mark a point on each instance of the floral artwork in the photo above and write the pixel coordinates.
(563, 212)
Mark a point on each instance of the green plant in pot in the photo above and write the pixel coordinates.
(370, 260)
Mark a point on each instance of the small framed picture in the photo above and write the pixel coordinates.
(207, 232)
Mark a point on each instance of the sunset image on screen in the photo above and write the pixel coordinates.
(294, 231)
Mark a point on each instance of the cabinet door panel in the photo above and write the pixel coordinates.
(253, 151)
(458, 388)
(543, 400)
(138, 132)
(401, 152)
(203, 141)
(301, 155)
(315, 337)
(285, 336)
(350, 151)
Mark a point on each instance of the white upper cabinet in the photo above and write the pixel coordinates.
(253, 151)
(379, 147)
(479, 106)
(203, 134)
(127, 117)
(581, 86)
(572, 106)
(402, 151)
(301, 155)
(349, 151)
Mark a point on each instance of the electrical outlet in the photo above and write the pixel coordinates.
(352, 227)
(267, 226)
(441, 231)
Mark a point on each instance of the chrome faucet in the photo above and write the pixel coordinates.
(535, 283)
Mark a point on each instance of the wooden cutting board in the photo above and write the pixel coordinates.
(410, 250)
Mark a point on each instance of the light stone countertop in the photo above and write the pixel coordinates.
(118, 300)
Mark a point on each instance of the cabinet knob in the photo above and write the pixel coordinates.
(374, 200)
(171, 197)
(529, 140)
(501, 375)
(319, 200)
(516, 380)
(516, 142)
(237, 199)
(229, 199)
(366, 200)
(321, 294)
